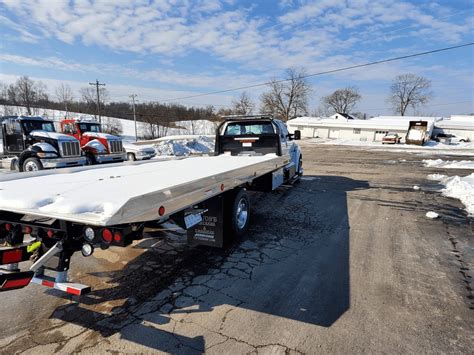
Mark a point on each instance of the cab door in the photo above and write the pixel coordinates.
(15, 143)
(284, 139)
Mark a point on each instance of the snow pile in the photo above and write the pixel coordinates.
(450, 164)
(461, 188)
(180, 147)
(415, 134)
(432, 215)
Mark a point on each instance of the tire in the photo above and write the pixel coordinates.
(131, 157)
(90, 160)
(32, 164)
(237, 210)
(300, 166)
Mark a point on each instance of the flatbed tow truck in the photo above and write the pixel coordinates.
(41, 215)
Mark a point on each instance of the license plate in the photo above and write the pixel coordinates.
(192, 219)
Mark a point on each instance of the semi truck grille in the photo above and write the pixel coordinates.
(115, 146)
(70, 149)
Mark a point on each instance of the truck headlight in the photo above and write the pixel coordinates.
(47, 155)
(89, 234)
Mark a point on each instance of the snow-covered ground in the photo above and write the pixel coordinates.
(450, 164)
(458, 187)
(430, 147)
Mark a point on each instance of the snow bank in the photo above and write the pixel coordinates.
(461, 188)
(450, 164)
(180, 147)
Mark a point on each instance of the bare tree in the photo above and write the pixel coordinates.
(28, 93)
(243, 105)
(342, 100)
(65, 96)
(89, 95)
(409, 90)
(112, 125)
(288, 98)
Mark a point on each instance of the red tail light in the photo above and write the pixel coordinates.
(8, 227)
(13, 256)
(117, 237)
(107, 236)
(50, 233)
(28, 230)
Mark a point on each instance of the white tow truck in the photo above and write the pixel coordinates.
(55, 214)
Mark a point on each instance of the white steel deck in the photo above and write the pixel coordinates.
(127, 193)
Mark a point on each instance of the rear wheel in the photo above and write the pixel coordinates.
(32, 164)
(131, 157)
(237, 213)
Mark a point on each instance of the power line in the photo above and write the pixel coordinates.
(325, 72)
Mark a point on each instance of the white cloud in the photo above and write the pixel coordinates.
(307, 32)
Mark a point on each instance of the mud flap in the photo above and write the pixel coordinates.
(210, 231)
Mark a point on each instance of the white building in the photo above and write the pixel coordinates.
(370, 130)
(459, 125)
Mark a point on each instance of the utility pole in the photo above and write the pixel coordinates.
(97, 84)
(133, 96)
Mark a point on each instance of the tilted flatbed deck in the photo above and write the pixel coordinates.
(129, 193)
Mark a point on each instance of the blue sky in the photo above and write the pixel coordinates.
(168, 49)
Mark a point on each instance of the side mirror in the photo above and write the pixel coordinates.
(297, 135)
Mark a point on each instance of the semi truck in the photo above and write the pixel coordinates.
(205, 195)
(32, 144)
(98, 147)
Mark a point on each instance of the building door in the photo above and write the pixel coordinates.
(334, 133)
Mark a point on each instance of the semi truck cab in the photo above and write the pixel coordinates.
(98, 147)
(31, 144)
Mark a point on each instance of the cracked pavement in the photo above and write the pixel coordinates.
(344, 261)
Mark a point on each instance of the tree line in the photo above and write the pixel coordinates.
(285, 98)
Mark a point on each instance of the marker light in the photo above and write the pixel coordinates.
(89, 234)
(87, 249)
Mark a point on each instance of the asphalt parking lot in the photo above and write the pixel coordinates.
(345, 261)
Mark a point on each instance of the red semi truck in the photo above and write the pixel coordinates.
(98, 147)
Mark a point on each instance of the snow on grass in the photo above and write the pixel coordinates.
(449, 164)
(461, 188)
(187, 146)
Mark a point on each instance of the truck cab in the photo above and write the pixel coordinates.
(31, 144)
(98, 147)
(259, 135)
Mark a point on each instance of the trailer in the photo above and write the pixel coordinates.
(42, 216)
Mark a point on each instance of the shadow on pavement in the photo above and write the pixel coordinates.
(294, 264)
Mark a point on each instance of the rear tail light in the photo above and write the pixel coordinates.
(50, 233)
(12, 256)
(107, 236)
(8, 227)
(117, 237)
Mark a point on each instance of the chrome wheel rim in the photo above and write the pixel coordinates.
(242, 213)
(31, 166)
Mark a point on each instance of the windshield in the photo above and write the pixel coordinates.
(29, 126)
(89, 127)
(242, 128)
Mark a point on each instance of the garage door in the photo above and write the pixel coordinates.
(334, 133)
(379, 135)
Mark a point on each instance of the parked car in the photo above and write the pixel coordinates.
(137, 152)
(391, 138)
(450, 138)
